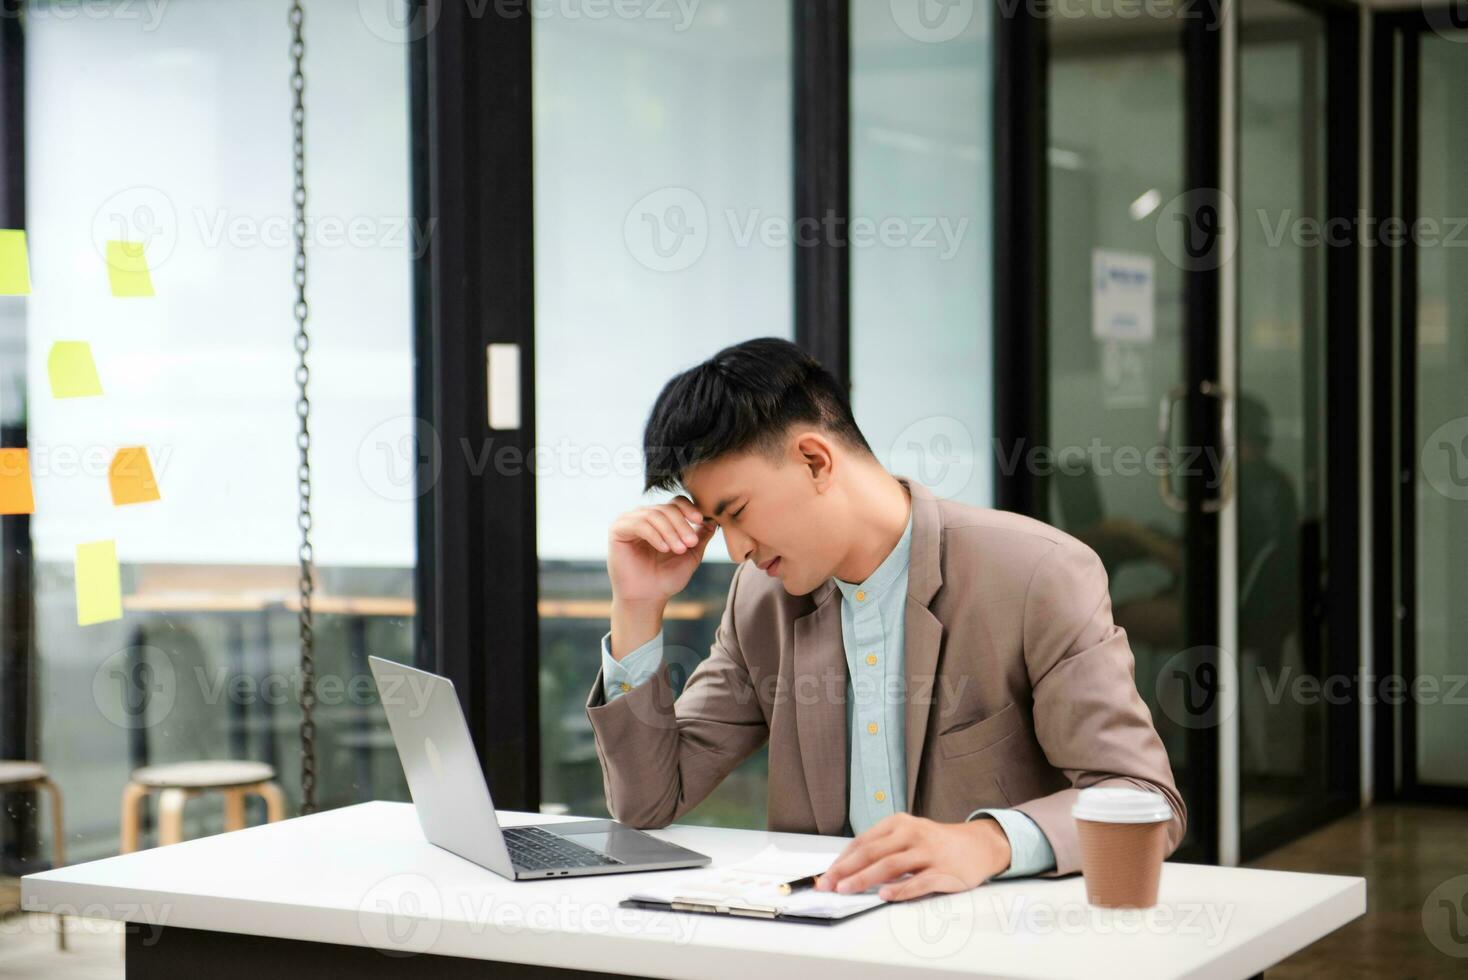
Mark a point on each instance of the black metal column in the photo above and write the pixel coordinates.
(1021, 195)
(17, 582)
(474, 286)
(822, 116)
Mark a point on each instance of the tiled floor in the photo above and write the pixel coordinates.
(1404, 852)
(28, 949)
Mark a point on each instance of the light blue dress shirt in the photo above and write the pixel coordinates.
(873, 633)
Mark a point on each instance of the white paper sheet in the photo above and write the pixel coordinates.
(754, 884)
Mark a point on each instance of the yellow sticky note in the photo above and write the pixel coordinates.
(127, 269)
(98, 583)
(72, 370)
(15, 263)
(15, 482)
(131, 477)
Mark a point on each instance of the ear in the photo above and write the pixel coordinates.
(817, 454)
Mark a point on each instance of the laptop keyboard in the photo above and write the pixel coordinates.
(533, 849)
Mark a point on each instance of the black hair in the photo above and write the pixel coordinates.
(743, 398)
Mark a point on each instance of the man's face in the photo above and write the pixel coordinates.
(775, 508)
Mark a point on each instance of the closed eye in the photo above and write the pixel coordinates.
(735, 516)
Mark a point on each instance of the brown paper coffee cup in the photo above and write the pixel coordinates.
(1123, 836)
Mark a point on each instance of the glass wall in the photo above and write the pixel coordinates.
(921, 292)
(663, 232)
(1442, 413)
(1117, 257)
(168, 129)
(1280, 433)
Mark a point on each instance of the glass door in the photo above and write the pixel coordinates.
(1431, 428)
(1295, 664)
(1133, 255)
(1190, 375)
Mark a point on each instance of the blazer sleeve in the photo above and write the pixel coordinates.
(1089, 719)
(660, 757)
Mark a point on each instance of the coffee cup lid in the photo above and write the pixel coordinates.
(1117, 804)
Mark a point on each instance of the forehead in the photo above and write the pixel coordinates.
(721, 481)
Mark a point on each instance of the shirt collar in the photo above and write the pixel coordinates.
(887, 573)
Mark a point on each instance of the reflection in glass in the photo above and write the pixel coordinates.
(662, 217)
(1442, 408)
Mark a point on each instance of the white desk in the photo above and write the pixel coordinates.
(364, 877)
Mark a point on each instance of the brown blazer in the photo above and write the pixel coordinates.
(1020, 691)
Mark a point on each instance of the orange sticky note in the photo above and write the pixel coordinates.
(131, 477)
(15, 482)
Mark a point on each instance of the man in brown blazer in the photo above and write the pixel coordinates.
(935, 678)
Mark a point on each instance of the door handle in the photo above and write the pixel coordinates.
(1179, 393)
(1164, 441)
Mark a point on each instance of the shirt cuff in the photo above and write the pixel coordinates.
(620, 676)
(1029, 849)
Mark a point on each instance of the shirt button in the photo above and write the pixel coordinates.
(880, 796)
(625, 687)
(871, 658)
(861, 596)
(872, 728)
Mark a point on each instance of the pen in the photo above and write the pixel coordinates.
(807, 882)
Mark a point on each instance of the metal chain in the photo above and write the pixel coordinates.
(303, 413)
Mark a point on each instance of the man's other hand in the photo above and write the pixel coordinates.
(934, 857)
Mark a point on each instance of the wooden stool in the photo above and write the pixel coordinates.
(16, 776)
(176, 783)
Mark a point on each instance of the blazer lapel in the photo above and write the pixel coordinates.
(923, 632)
(819, 692)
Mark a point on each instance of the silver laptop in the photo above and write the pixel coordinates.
(452, 797)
